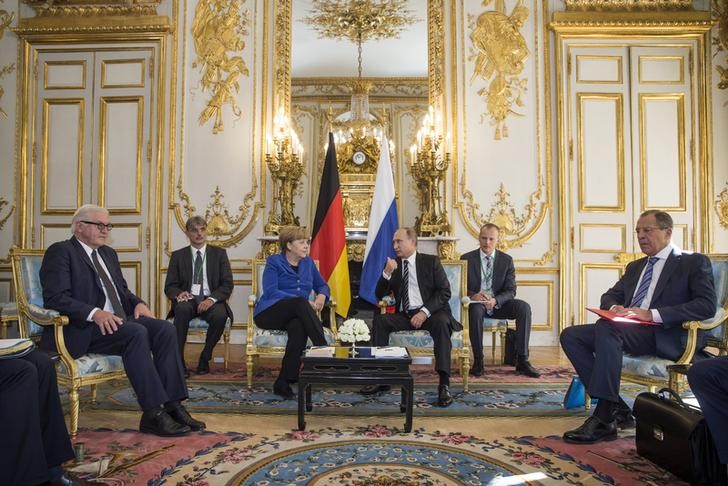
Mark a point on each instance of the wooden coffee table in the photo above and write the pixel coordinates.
(355, 372)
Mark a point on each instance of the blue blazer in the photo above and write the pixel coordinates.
(280, 281)
(684, 292)
(72, 287)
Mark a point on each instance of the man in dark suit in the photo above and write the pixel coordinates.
(82, 279)
(199, 283)
(492, 291)
(709, 381)
(422, 293)
(31, 423)
(667, 287)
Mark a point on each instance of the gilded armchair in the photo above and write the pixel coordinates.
(420, 343)
(89, 369)
(271, 343)
(654, 371)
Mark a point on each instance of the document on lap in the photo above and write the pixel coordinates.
(612, 316)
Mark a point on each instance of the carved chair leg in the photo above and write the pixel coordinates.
(93, 393)
(249, 368)
(587, 401)
(492, 347)
(226, 338)
(465, 370)
(73, 400)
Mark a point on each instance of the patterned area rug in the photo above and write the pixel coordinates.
(373, 454)
(536, 399)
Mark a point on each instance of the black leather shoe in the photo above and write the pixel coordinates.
(373, 389)
(624, 419)
(283, 389)
(525, 368)
(444, 399)
(477, 368)
(187, 372)
(203, 367)
(180, 415)
(62, 480)
(592, 431)
(159, 422)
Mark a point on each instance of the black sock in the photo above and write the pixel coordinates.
(605, 410)
(444, 378)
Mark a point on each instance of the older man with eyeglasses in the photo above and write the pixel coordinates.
(665, 288)
(82, 279)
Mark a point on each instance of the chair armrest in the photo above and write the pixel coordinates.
(252, 299)
(45, 317)
(692, 342)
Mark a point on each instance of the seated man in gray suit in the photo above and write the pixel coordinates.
(667, 287)
(199, 283)
(492, 290)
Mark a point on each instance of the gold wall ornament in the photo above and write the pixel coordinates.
(721, 207)
(93, 8)
(720, 12)
(4, 219)
(284, 159)
(515, 229)
(627, 5)
(548, 256)
(428, 165)
(5, 70)
(218, 29)
(499, 51)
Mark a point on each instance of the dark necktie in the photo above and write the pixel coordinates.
(108, 286)
(405, 286)
(641, 292)
(197, 277)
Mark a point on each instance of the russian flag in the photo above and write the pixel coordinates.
(382, 225)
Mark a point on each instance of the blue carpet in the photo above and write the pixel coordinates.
(481, 400)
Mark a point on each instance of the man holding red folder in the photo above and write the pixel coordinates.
(665, 288)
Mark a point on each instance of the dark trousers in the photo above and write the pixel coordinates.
(215, 316)
(709, 381)
(31, 420)
(596, 352)
(151, 358)
(438, 325)
(299, 320)
(513, 309)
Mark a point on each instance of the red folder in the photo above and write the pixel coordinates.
(611, 316)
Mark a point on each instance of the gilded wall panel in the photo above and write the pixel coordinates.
(540, 295)
(120, 158)
(62, 183)
(70, 74)
(502, 170)
(591, 69)
(600, 149)
(602, 238)
(53, 232)
(596, 278)
(663, 178)
(661, 70)
(123, 73)
(132, 272)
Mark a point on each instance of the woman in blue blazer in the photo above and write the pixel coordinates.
(289, 279)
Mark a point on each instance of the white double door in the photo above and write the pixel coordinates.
(630, 122)
(91, 140)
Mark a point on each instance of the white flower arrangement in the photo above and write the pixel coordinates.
(353, 330)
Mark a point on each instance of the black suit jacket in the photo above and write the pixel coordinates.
(684, 292)
(219, 275)
(432, 281)
(504, 275)
(72, 287)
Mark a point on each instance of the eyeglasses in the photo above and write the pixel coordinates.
(100, 226)
(647, 230)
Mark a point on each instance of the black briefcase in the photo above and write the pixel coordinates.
(509, 355)
(674, 435)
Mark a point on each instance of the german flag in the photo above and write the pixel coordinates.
(328, 238)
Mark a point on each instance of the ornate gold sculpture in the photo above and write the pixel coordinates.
(499, 50)
(286, 167)
(93, 8)
(6, 18)
(514, 229)
(218, 29)
(721, 207)
(429, 161)
(4, 219)
(720, 11)
(359, 20)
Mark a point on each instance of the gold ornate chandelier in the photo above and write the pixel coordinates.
(359, 21)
